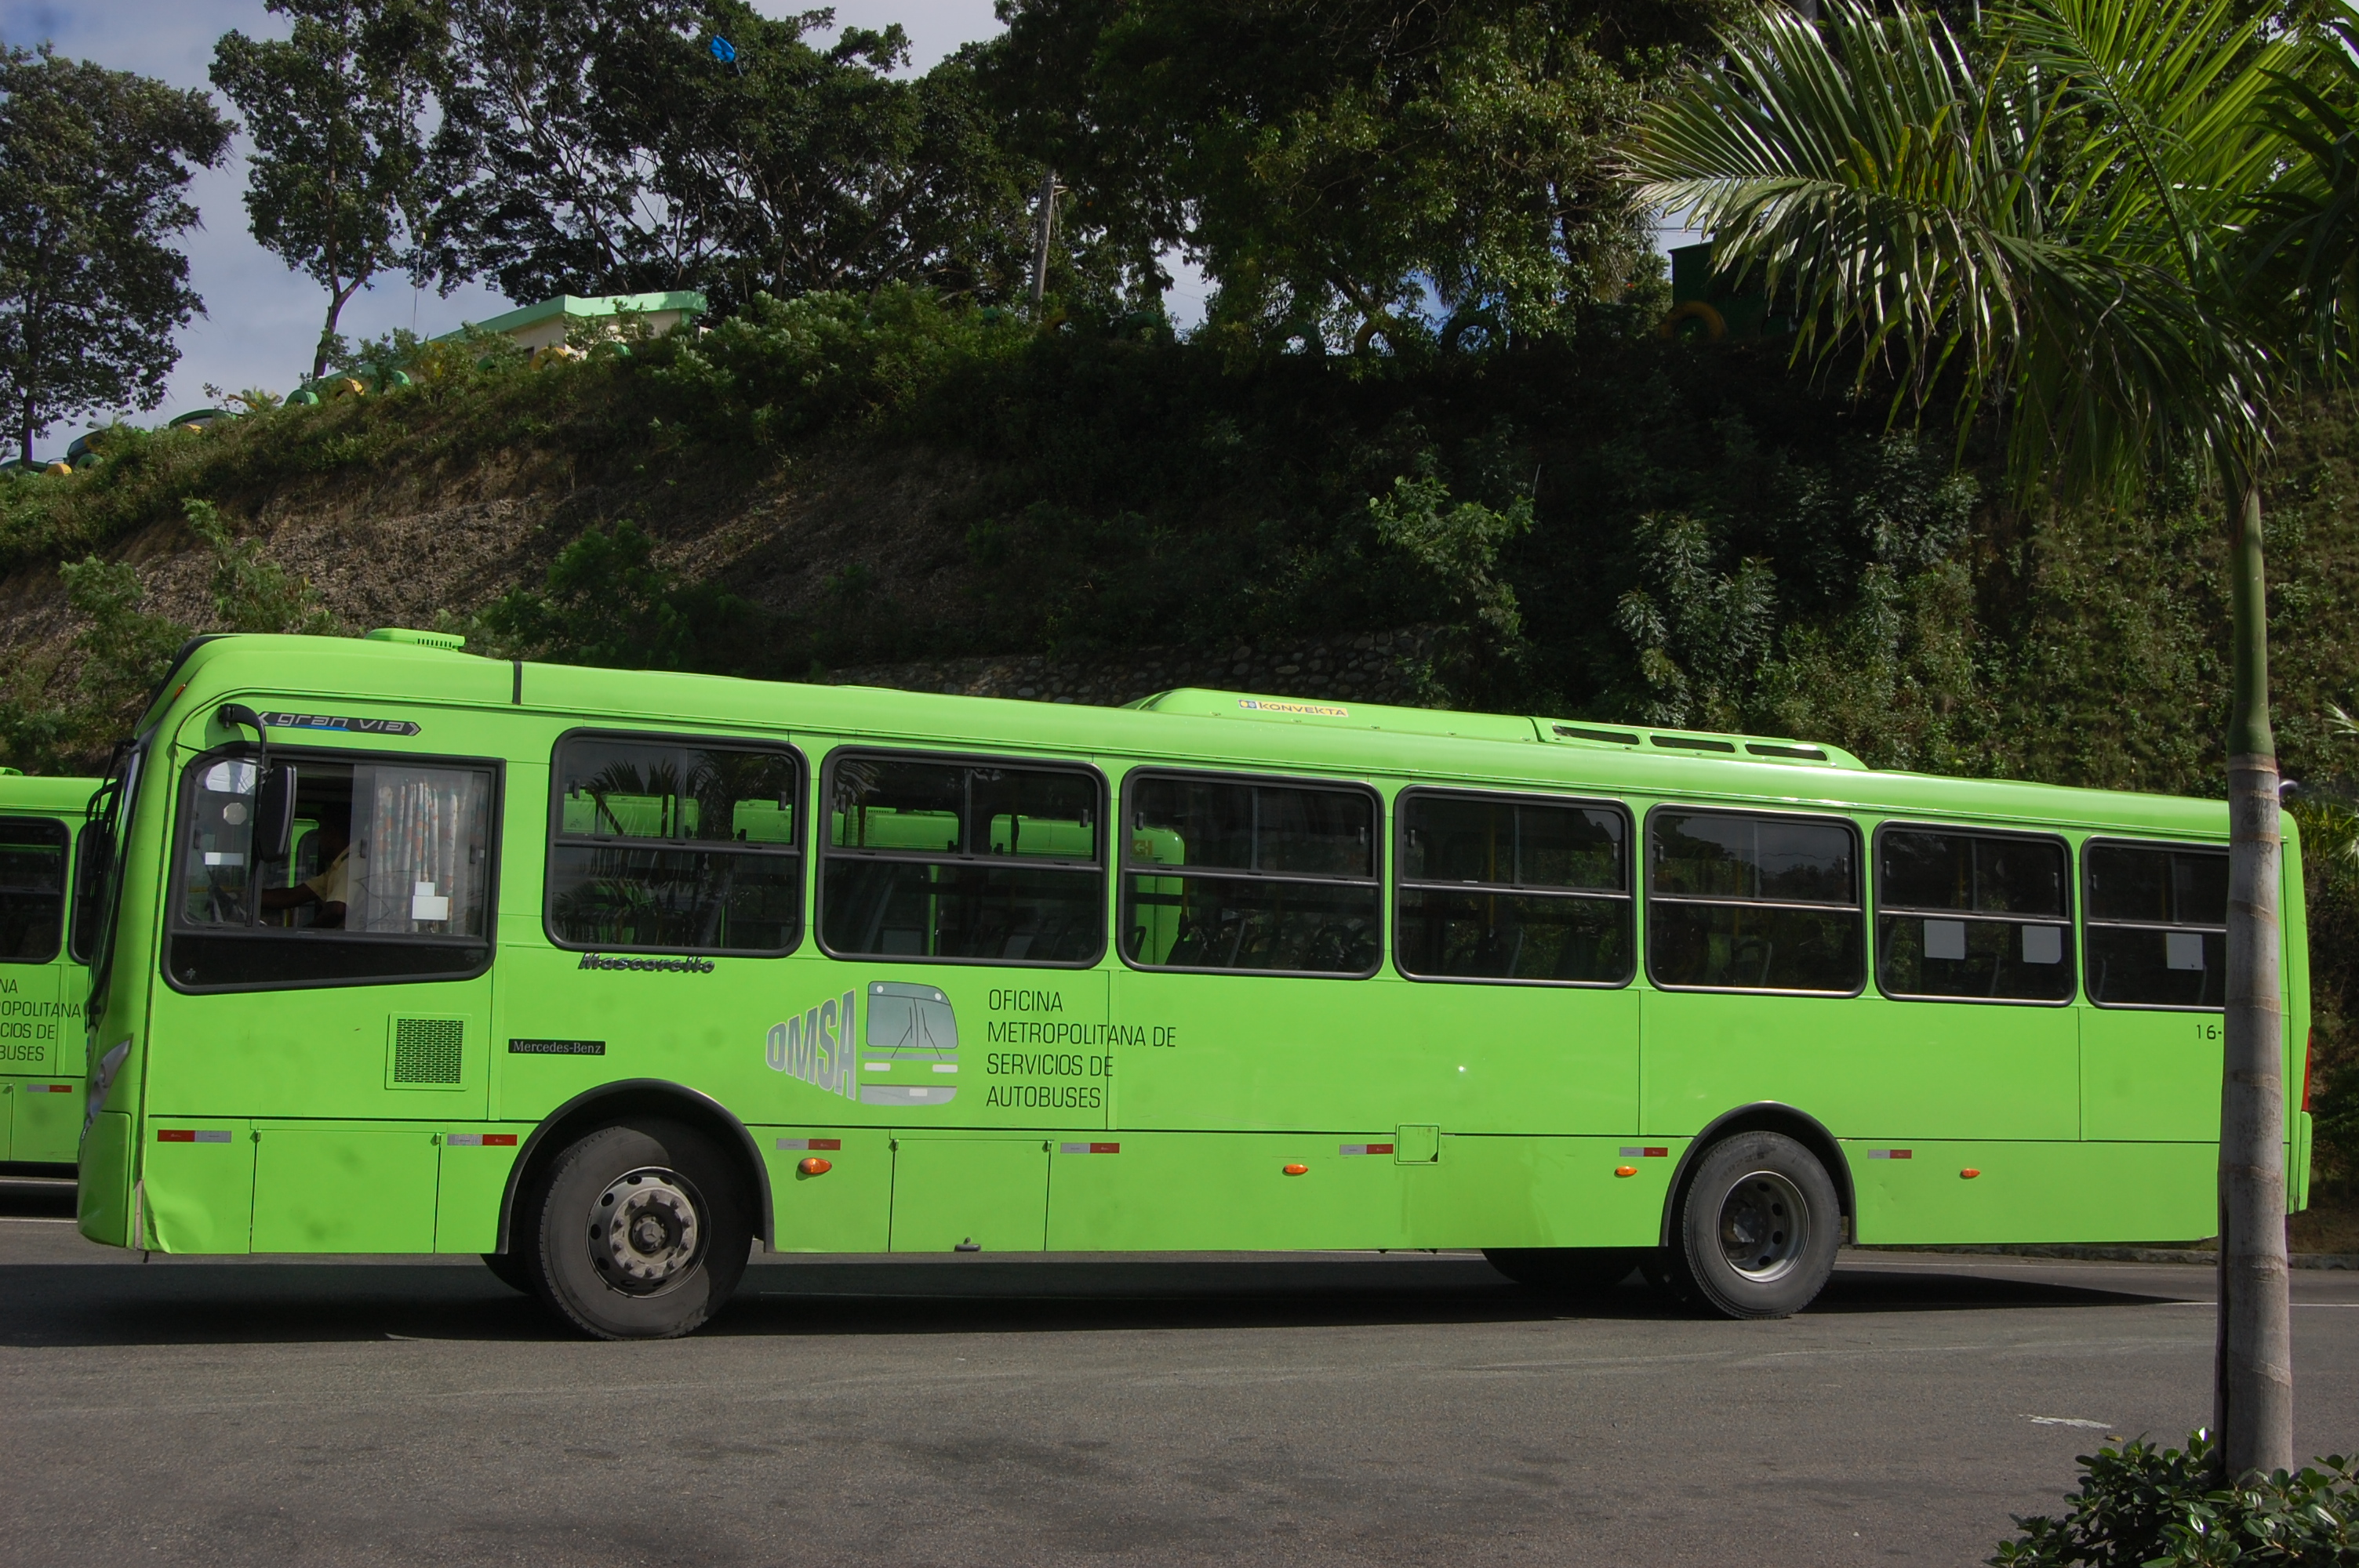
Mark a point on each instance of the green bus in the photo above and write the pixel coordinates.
(46, 933)
(608, 975)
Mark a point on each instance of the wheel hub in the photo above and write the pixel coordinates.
(645, 1230)
(1764, 1227)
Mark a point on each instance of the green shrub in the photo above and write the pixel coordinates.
(2144, 1506)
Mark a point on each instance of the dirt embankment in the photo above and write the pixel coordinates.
(395, 547)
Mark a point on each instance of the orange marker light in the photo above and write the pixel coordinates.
(814, 1166)
(1969, 1172)
(1298, 1170)
(1626, 1170)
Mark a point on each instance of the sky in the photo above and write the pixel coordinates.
(261, 320)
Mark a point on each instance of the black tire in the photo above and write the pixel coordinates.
(1758, 1226)
(643, 1232)
(1569, 1270)
(513, 1269)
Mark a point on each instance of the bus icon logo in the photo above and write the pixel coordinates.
(908, 1053)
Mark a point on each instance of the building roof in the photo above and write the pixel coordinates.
(683, 299)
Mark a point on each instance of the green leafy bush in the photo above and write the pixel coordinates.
(606, 601)
(2144, 1506)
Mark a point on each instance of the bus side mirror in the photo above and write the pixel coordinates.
(274, 814)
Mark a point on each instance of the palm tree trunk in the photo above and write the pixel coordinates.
(2252, 1394)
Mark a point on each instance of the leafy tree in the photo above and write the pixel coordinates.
(338, 186)
(2059, 226)
(602, 146)
(1330, 161)
(95, 168)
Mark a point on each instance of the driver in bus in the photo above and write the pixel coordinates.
(330, 890)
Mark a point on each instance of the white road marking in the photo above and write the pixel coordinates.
(2066, 1420)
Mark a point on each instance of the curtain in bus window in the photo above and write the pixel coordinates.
(1501, 889)
(1249, 876)
(2157, 924)
(981, 862)
(1971, 917)
(419, 850)
(32, 888)
(1742, 902)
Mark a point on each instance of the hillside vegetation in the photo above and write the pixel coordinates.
(1601, 524)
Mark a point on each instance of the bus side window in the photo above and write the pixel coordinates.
(963, 860)
(402, 892)
(1503, 887)
(32, 888)
(1972, 916)
(1269, 875)
(2157, 920)
(675, 846)
(1744, 901)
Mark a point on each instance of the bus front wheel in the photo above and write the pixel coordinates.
(642, 1234)
(1758, 1226)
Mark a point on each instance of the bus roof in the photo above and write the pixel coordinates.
(330, 679)
(45, 792)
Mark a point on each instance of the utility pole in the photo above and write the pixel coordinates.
(1044, 229)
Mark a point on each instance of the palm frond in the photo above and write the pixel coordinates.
(1926, 213)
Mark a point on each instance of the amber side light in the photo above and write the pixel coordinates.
(814, 1166)
(1297, 1170)
(1969, 1173)
(1626, 1170)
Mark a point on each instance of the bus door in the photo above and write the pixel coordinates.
(316, 1034)
(1515, 926)
(35, 1008)
(2157, 930)
(964, 900)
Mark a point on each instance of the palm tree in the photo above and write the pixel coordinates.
(2052, 224)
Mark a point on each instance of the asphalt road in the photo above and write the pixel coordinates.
(1298, 1408)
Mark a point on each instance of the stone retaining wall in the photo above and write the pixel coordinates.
(1380, 667)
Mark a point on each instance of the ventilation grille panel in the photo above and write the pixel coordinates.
(428, 1052)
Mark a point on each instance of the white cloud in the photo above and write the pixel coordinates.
(261, 320)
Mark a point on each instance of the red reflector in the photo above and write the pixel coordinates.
(813, 1166)
(176, 1135)
(1105, 1148)
(824, 1143)
(1296, 1170)
(2309, 1050)
(1656, 1154)
(1626, 1170)
(499, 1140)
(1380, 1148)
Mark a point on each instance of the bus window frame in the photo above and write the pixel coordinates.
(1628, 896)
(553, 833)
(64, 945)
(822, 849)
(1377, 836)
(86, 834)
(2107, 840)
(2069, 920)
(184, 789)
(1858, 906)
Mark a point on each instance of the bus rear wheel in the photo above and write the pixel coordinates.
(1572, 1270)
(1758, 1226)
(642, 1234)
